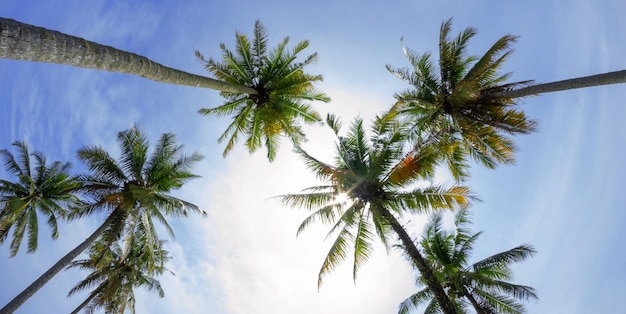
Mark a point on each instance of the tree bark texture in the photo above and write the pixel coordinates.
(422, 266)
(609, 78)
(19, 41)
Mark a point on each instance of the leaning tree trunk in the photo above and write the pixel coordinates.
(479, 309)
(21, 41)
(89, 298)
(616, 77)
(14, 304)
(422, 266)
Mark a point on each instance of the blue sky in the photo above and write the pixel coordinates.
(563, 196)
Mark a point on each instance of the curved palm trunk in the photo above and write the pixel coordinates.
(14, 304)
(609, 78)
(425, 271)
(19, 41)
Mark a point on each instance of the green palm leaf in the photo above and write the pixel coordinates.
(374, 172)
(46, 189)
(133, 192)
(454, 101)
(283, 88)
(415, 300)
(116, 272)
(338, 253)
(516, 254)
(483, 285)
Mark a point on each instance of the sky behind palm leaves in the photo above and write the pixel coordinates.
(563, 196)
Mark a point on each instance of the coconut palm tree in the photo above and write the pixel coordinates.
(115, 273)
(265, 92)
(283, 90)
(39, 188)
(133, 190)
(370, 186)
(468, 97)
(483, 285)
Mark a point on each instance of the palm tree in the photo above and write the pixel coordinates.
(484, 284)
(39, 188)
(133, 191)
(370, 186)
(265, 92)
(283, 90)
(20, 41)
(116, 273)
(469, 98)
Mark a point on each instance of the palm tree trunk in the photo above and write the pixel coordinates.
(19, 41)
(475, 304)
(422, 266)
(616, 77)
(89, 298)
(14, 304)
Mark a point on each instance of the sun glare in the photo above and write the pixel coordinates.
(341, 198)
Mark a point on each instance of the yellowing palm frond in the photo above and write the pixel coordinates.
(373, 171)
(458, 102)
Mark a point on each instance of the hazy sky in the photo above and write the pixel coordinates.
(564, 195)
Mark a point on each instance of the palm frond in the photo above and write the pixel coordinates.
(321, 170)
(413, 302)
(484, 286)
(260, 40)
(486, 67)
(456, 101)
(499, 303)
(326, 214)
(309, 201)
(422, 200)
(282, 88)
(101, 165)
(46, 189)
(516, 254)
(10, 163)
(338, 253)
(134, 146)
(362, 244)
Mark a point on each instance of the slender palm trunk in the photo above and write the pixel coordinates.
(19, 41)
(616, 77)
(422, 266)
(14, 304)
(479, 309)
(89, 298)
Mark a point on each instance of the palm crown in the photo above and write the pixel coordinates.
(115, 273)
(137, 186)
(456, 100)
(282, 86)
(371, 181)
(40, 187)
(482, 285)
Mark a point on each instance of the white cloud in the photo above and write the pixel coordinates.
(249, 238)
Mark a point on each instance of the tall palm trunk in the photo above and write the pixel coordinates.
(422, 266)
(14, 304)
(21, 41)
(609, 78)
